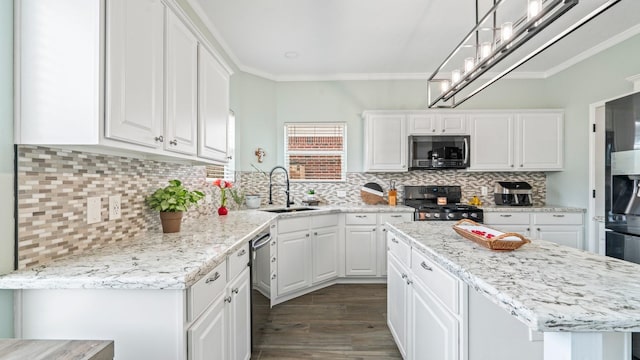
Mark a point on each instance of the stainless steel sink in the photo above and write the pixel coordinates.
(288, 210)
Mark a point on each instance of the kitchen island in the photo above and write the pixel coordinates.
(585, 304)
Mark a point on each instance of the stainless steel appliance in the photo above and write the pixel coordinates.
(622, 175)
(260, 303)
(438, 152)
(436, 202)
(513, 193)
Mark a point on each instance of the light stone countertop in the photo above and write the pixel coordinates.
(19, 349)
(546, 208)
(164, 261)
(547, 286)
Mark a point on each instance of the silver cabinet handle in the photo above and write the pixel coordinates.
(273, 243)
(235, 291)
(159, 138)
(273, 226)
(521, 165)
(426, 267)
(273, 277)
(244, 251)
(315, 233)
(404, 276)
(228, 299)
(393, 240)
(273, 259)
(396, 216)
(215, 277)
(558, 215)
(538, 229)
(443, 130)
(409, 282)
(505, 215)
(384, 230)
(374, 229)
(307, 235)
(173, 142)
(433, 130)
(361, 216)
(511, 165)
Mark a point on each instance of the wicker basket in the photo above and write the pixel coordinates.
(500, 242)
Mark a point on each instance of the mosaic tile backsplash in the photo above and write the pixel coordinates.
(54, 184)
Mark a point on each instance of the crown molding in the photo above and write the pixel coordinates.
(612, 41)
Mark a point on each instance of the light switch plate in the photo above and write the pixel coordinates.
(94, 205)
(483, 190)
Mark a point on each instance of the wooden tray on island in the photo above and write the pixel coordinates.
(488, 237)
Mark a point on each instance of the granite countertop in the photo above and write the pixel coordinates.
(17, 349)
(545, 208)
(547, 286)
(163, 261)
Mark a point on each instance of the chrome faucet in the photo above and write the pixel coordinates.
(286, 176)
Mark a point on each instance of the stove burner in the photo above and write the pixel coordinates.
(424, 200)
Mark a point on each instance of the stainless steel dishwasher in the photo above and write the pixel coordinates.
(260, 301)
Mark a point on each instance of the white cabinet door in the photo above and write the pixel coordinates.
(325, 254)
(572, 236)
(433, 331)
(181, 123)
(492, 141)
(213, 103)
(453, 123)
(422, 124)
(397, 303)
(541, 138)
(207, 337)
(361, 250)
(239, 316)
(385, 143)
(293, 262)
(134, 71)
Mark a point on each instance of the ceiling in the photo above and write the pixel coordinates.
(385, 39)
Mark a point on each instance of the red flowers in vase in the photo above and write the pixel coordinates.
(223, 185)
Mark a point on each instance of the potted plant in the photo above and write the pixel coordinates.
(223, 185)
(171, 202)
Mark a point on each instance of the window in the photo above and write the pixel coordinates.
(228, 171)
(315, 151)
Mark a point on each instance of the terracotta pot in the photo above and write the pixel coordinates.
(222, 211)
(171, 221)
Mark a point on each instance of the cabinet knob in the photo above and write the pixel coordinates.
(173, 142)
(235, 291)
(443, 130)
(230, 157)
(273, 277)
(227, 299)
(160, 138)
(273, 259)
(511, 165)
(409, 282)
(384, 230)
(307, 235)
(528, 229)
(315, 233)
(434, 130)
(393, 240)
(273, 243)
(538, 229)
(521, 165)
(242, 252)
(404, 276)
(374, 229)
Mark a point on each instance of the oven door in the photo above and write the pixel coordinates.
(625, 247)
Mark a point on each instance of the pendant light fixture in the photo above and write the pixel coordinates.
(493, 38)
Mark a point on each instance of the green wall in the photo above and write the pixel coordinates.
(6, 161)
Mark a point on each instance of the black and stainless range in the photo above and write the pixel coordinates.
(439, 203)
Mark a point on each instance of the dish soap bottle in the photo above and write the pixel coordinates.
(475, 201)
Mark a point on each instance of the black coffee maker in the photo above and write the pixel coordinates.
(513, 193)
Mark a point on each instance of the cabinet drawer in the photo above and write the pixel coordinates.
(360, 219)
(237, 262)
(319, 221)
(506, 218)
(557, 219)
(442, 284)
(293, 224)
(399, 248)
(394, 218)
(203, 292)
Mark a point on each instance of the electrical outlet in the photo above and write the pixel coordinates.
(94, 206)
(341, 193)
(483, 190)
(115, 207)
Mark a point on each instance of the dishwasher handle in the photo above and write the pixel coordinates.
(260, 241)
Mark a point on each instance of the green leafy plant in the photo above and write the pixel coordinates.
(174, 197)
(238, 196)
(311, 192)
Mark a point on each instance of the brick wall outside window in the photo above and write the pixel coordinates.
(315, 151)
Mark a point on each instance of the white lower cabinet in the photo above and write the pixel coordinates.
(398, 293)
(239, 313)
(207, 335)
(361, 250)
(564, 228)
(306, 253)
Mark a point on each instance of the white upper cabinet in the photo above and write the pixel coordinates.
(517, 141)
(214, 108)
(437, 123)
(120, 75)
(134, 71)
(385, 142)
(181, 123)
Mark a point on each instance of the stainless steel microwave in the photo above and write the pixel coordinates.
(438, 152)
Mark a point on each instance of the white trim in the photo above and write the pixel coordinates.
(592, 240)
(635, 79)
(614, 40)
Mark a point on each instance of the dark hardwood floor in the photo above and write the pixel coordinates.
(338, 322)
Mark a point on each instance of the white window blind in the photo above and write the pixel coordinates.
(315, 151)
(227, 171)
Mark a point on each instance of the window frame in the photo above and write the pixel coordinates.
(343, 153)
